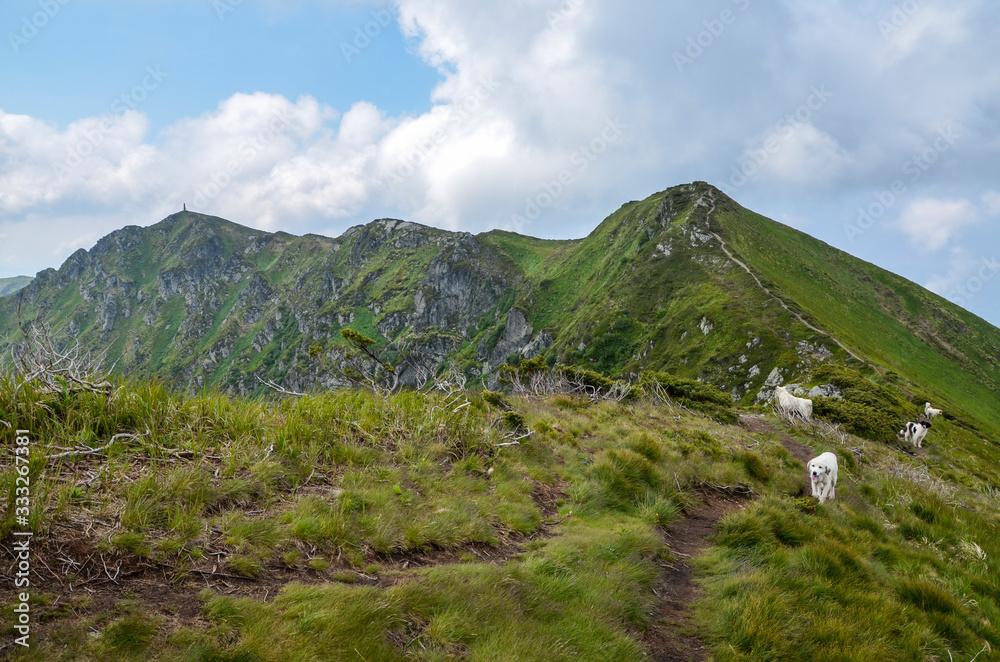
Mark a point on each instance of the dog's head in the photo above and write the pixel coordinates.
(817, 469)
(926, 424)
(781, 389)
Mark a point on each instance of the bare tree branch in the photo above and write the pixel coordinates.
(38, 359)
(271, 384)
(85, 450)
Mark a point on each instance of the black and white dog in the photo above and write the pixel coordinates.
(915, 432)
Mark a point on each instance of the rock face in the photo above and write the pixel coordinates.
(202, 302)
(822, 391)
(772, 382)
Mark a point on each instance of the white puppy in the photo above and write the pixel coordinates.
(823, 474)
(915, 432)
(931, 412)
(789, 405)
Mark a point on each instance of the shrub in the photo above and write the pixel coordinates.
(610, 350)
(695, 395)
(514, 420)
(586, 377)
(858, 418)
(497, 400)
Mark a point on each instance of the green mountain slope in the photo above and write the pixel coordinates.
(685, 281)
(953, 355)
(11, 285)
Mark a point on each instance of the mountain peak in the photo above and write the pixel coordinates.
(685, 280)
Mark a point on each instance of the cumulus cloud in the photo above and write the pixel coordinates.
(800, 154)
(931, 223)
(968, 277)
(992, 201)
(527, 90)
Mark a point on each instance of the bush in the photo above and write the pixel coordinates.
(858, 419)
(695, 395)
(496, 400)
(688, 389)
(610, 350)
(586, 377)
(514, 420)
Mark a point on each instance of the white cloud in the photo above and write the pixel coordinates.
(960, 264)
(527, 85)
(992, 201)
(926, 26)
(931, 223)
(969, 279)
(800, 154)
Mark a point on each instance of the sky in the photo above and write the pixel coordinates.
(872, 125)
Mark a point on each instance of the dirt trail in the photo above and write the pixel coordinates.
(670, 638)
(757, 423)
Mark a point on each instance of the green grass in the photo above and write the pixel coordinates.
(337, 487)
(559, 547)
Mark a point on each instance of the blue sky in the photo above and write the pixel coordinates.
(873, 125)
(91, 53)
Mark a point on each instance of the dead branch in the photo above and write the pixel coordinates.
(85, 450)
(271, 384)
(730, 490)
(38, 359)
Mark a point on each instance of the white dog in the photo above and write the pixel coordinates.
(915, 433)
(931, 412)
(789, 405)
(823, 474)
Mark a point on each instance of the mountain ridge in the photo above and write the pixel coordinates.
(201, 301)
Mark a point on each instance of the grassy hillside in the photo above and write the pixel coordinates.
(352, 525)
(947, 353)
(202, 302)
(11, 285)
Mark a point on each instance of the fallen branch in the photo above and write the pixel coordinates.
(280, 389)
(560, 520)
(84, 450)
(516, 441)
(731, 490)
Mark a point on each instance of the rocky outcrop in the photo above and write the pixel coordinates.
(456, 290)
